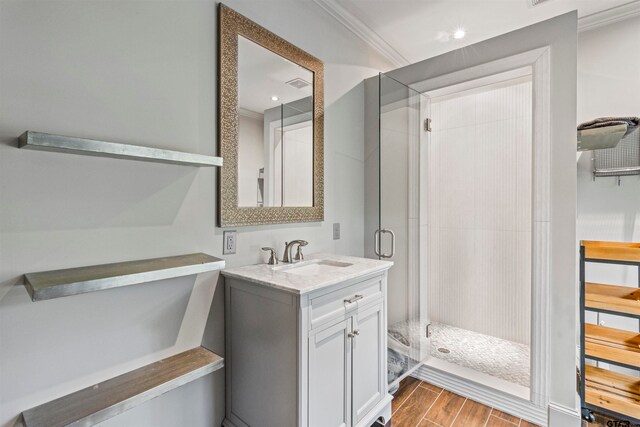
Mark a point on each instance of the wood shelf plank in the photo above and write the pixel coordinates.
(613, 345)
(109, 398)
(613, 391)
(90, 147)
(622, 299)
(72, 281)
(601, 251)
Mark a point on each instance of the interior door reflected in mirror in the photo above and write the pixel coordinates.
(275, 129)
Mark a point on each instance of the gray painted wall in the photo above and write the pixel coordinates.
(607, 86)
(140, 72)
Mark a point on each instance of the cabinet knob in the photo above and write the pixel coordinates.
(356, 332)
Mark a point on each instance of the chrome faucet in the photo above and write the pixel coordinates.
(287, 251)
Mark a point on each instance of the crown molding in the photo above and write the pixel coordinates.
(609, 16)
(250, 114)
(360, 29)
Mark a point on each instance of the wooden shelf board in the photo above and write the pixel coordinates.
(613, 298)
(71, 281)
(612, 344)
(611, 251)
(89, 147)
(613, 391)
(107, 399)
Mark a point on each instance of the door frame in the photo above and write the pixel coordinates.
(538, 61)
(559, 36)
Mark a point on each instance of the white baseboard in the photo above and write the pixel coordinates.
(563, 416)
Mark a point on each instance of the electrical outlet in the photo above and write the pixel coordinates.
(229, 242)
(336, 231)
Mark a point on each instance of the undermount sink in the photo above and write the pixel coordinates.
(313, 267)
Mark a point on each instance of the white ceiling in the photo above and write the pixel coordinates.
(263, 74)
(407, 31)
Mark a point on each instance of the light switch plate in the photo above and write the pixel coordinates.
(229, 239)
(336, 231)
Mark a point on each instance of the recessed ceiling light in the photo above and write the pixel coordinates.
(274, 98)
(459, 33)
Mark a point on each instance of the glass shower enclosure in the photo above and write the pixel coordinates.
(397, 222)
(452, 209)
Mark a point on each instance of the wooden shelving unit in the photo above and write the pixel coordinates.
(72, 281)
(613, 299)
(90, 147)
(612, 345)
(620, 393)
(603, 390)
(612, 252)
(112, 397)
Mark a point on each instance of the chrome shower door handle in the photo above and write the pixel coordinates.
(393, 243)
(376, 239)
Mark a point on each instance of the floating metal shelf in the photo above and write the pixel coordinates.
(71, 281)
(112, 397)
(621, 160)
(90, 147)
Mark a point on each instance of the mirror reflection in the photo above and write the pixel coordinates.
(275, 135)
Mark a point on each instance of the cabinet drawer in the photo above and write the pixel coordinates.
(328, 307)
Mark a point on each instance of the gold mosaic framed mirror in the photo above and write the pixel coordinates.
(270, 127)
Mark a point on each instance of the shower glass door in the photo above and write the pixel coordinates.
(403, 135)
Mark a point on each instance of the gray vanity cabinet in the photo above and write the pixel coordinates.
(315, 360)
(330, 375)
(346, 368)
(369, 360)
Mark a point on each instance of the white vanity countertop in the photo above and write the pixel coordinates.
(278, 276)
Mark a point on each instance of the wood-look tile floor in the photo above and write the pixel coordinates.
(420, 404)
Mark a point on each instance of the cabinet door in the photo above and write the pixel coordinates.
(330, 376)
(368, 347)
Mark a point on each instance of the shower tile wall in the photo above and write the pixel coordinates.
(477, 202)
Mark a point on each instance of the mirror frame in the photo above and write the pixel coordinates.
(231, 25)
